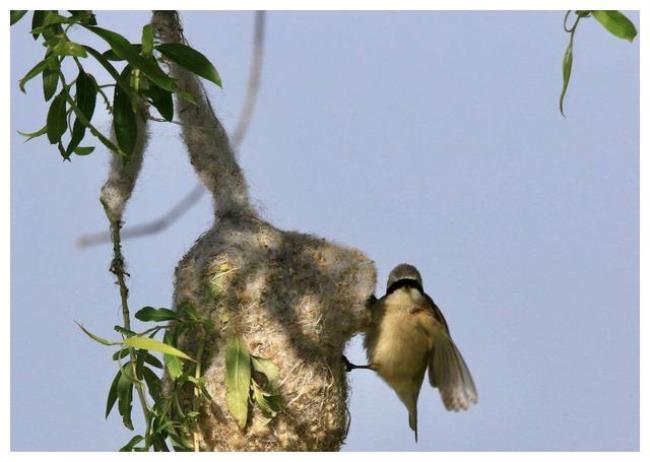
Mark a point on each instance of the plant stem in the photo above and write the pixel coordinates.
(197, 389)
(117, 268)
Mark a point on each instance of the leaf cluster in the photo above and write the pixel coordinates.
(169, 422)
(613, 21)
(136, 78)
(250, 381)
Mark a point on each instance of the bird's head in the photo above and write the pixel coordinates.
(404, 275)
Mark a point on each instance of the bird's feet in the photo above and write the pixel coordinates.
(349, 366)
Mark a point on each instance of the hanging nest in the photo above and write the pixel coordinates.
(292, 298)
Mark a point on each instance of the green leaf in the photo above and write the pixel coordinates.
(238, 379)
(33, 72)
(96, 338)
(125, 399)
(616, 23)
(567, 63)
(65, 47)
(56, 119)
(123, 49)
(16, 15)
(154, 384)
(191, 60)
(139, 363)
(149, 313)
(86, 94)
(37, 20)
(111, 56)
(128, 447)
(35, 134)
(124, 121)
(112, 393)
(119, 354)
(162, 100)
(86, 98)
(174, 366)
(84, 150)
(268, 404)
(266, 367)
(50, 82)
(151, 359)
(147, 40)
(146, 343)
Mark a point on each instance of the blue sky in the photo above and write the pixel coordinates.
(432, 138)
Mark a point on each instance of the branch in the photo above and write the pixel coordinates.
(114, 195)
(238, 135)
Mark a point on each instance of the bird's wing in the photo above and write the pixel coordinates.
(436, 312)
(450, 374)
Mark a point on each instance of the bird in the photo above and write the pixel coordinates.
(408, 335)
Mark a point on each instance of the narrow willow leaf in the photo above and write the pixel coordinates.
(86, 98)
(147, 40)
(33, 72)
(59, 146)
(154, 384)
(261, 399)
(128, 447)
(112, 393)
(123, 49)
(616, 23)
(139, 363)
(174, 366)
(162, 100)
(119, 354)
(150, 344)
(191, 60)
(125, 399)
(35, 134)
(567, 63)
(50, 82)
(84, 150)
(56, 119)
(16, 15)
(151, 359)
(37, 21)
(149, 313)
(111, 56)
(266, 367)
(124, 121)
(96, 338)
(238, 379)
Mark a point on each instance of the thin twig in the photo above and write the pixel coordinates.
(238, 135)
(117, 268)
(197, 390)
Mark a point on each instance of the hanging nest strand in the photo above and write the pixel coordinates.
(293, 298)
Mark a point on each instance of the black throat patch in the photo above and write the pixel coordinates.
(404, 283)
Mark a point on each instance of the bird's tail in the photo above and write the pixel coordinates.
(410, 400)
(413, 421)
(450, 374)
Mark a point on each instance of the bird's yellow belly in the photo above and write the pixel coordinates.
(400, 349)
